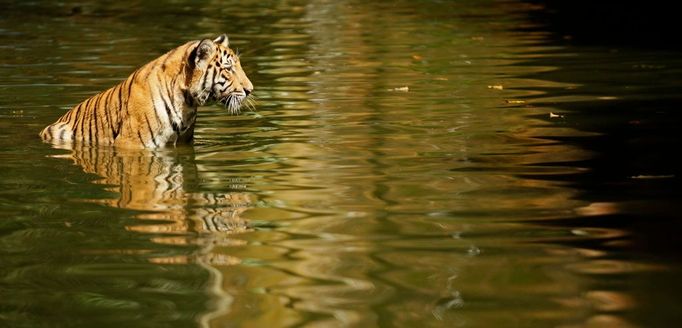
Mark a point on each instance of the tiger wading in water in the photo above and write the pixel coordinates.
(156, 106)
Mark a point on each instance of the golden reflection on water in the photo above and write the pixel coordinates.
(153, 183)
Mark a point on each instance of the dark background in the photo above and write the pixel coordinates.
(637, 142)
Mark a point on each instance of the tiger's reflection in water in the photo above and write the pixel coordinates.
(154, 182)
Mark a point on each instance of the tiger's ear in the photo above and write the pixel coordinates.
(202, 52)
(222, 40)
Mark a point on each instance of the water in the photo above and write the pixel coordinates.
(409, 164)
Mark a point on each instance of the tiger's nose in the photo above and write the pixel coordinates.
(247, 92)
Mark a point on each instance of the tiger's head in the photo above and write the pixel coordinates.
(217, 75)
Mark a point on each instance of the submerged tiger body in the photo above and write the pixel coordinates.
(156, 106)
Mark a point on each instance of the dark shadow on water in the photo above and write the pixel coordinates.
(624, 101)
(623, 57)
(651, 24)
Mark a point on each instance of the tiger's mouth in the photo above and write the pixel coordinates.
(234, 101)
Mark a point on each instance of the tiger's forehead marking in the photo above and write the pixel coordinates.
(224, 54)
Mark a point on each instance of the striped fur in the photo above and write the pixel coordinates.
(156, 105)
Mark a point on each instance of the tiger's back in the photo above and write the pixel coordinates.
(81, 122)
(156, 105)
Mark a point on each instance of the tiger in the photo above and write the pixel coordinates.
(156, 106)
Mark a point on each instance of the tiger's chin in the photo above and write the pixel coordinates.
(234, 102)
